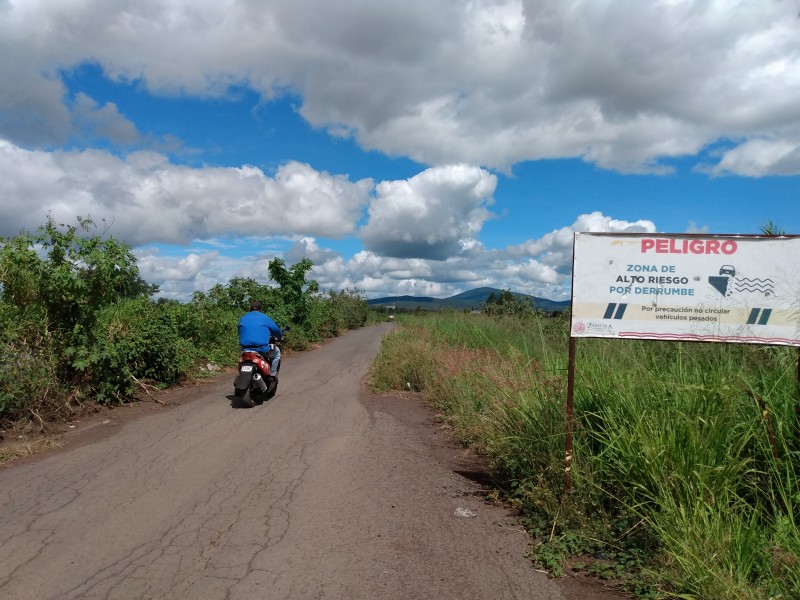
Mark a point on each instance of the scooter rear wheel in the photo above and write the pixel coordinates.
(247, 400)
(259, 397)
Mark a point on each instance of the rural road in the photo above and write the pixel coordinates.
(325, 491)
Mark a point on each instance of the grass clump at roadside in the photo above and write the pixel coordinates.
(686, 469)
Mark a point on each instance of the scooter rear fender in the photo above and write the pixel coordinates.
(246, 372)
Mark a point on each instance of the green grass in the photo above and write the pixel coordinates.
(687, 456)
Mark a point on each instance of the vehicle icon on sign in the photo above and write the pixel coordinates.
(727, 270)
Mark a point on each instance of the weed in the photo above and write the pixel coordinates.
(686, 458)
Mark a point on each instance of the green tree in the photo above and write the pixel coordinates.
(238, 293)
(54, 284)
(66, 274)
(507, 304)
(295, 292)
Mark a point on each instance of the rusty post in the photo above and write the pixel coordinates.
(570, 417)
(797, 406)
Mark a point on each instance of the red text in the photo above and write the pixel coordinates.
(687, 246)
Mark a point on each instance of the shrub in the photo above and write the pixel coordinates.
(29, 385)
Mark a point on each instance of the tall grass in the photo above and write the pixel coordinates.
(686, 453)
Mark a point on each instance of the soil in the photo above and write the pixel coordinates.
(91, 424)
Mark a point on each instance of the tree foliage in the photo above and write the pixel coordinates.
(506, 304)
(54, 285)
(65, 274)
(294, 292)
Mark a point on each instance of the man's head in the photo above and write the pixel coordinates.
(256, 305)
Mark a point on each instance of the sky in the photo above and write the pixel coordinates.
(422, 147)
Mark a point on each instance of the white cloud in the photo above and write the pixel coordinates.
(624, 85)
(150, 200)
(489, 82)
(180, 275)
(695, 228)
(761, 157)
(555, 248)
(156, 269)
(421, 236)
(540, 267)
(307, 247)
(428, 215)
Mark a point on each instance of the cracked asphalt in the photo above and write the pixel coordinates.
(325, 491)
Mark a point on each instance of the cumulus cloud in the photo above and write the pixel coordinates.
(555, 248)
(152, 200)
(761, 157)
(420, 236)
(307, 247)
(384, 276)
(490, 82)
(695, 228)
(181, 273)
(455, 86)
(156, 269)
(178, 277)
(428, 215)
(540, 267)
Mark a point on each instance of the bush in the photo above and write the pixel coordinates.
(29, 384)
(134, 339)
(210, 330)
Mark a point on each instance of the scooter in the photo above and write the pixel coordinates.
(255, 383)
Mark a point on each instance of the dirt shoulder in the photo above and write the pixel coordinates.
(90, 424)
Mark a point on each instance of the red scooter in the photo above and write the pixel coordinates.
(255, 383)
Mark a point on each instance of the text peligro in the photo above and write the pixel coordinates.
(687, 246)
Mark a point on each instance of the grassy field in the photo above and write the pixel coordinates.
(686, 471)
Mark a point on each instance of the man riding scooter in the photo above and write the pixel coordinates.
(256, 331)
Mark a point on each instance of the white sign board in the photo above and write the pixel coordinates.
(705, 288)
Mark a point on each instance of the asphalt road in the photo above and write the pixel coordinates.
(325, 491)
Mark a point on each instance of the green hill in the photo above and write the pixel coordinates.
(469, 300)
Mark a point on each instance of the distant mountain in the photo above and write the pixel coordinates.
(470, 300)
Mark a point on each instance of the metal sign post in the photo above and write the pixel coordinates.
(570, 417)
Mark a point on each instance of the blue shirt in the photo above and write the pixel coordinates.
(255, 329)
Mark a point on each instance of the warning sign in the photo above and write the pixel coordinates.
(687, 287)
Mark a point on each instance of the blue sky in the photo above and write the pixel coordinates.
(405, 147)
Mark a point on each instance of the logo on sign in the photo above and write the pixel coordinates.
(600, 327)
